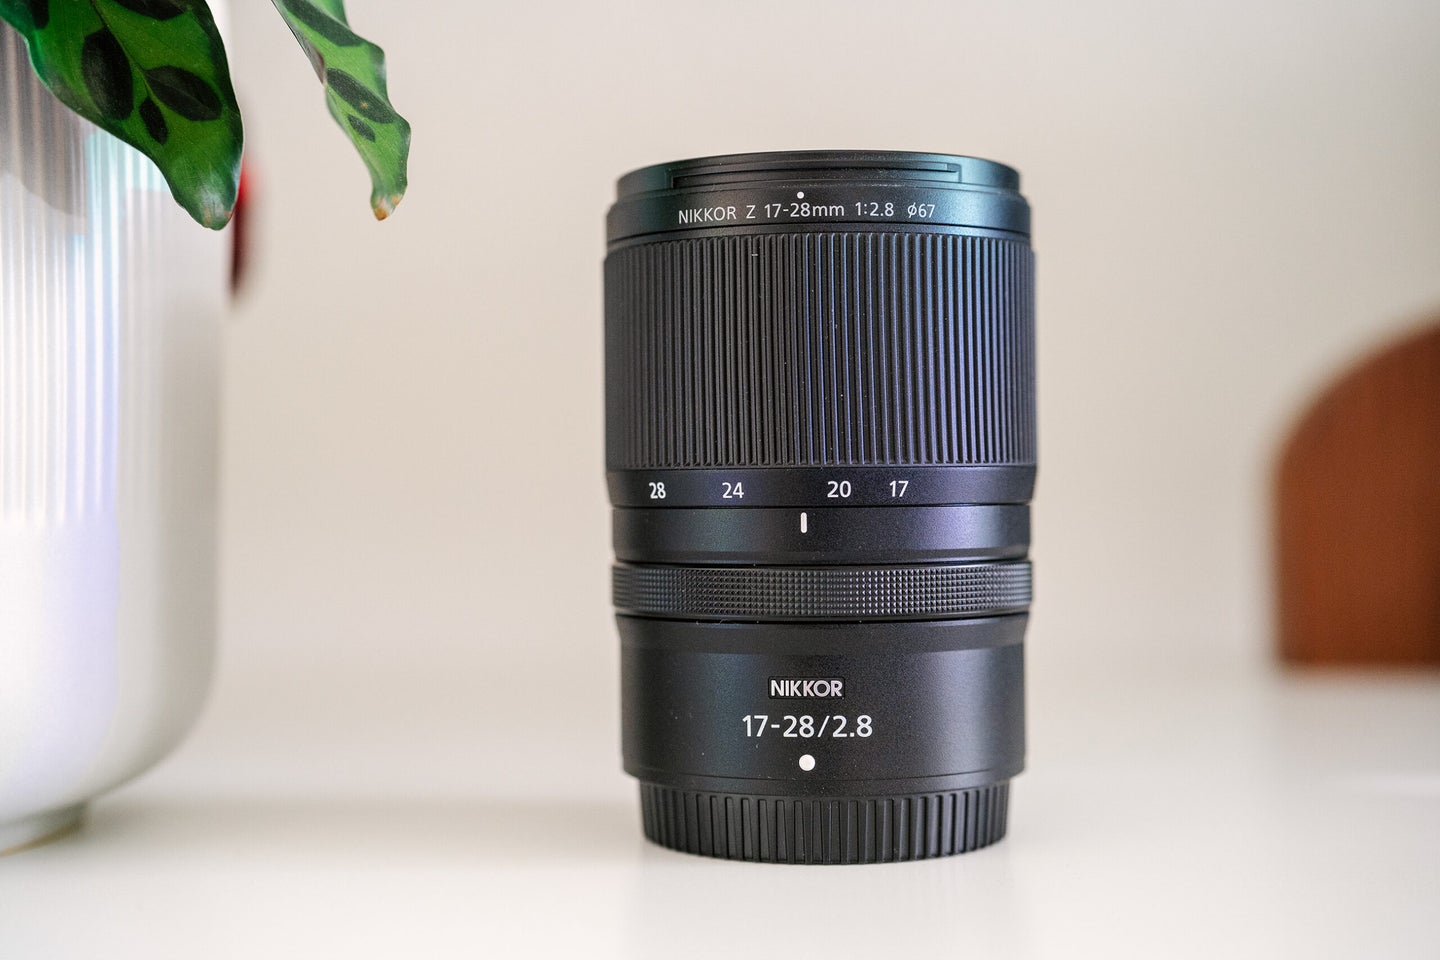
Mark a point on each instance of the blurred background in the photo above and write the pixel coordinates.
(1233, 201)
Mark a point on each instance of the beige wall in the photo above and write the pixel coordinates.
(1230, 199)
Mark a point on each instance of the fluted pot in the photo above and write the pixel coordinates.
(110, 303)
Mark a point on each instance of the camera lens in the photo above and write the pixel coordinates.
(820, 449)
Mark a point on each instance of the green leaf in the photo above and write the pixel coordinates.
(155, 9)
(155, 124)
(185, 93)
(353, 71)
(151, 72)
(26, 14)
(108, 77)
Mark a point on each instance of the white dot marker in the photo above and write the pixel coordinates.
(799, 194)
(807, 762)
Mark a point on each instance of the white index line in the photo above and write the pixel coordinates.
(804, 523)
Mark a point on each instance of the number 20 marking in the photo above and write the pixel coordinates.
(838, 489)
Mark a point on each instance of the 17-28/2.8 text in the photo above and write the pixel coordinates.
(808, 727)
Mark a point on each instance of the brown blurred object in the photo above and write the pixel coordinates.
(1358, 515)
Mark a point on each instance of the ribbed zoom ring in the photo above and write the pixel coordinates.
(829, 348)
(824, 829)
(822, 593)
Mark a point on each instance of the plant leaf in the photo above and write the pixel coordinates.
(185, 93)
(154, 74)
(107, 74)
(155, 9)
(353, 71)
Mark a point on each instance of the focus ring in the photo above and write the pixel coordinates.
(822, 593)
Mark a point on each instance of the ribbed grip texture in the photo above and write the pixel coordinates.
(819, 593)
(824, 829)
(824, 348)
(108, 318)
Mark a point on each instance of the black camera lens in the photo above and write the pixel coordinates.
(820, 445)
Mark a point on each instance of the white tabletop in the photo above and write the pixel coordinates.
(1229, 813)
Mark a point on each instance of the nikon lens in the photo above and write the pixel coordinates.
(820, 449)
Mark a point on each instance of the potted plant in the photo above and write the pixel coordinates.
(109, 354)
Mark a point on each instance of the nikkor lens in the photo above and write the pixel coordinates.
(820, 443)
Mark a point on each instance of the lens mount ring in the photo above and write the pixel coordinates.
(822, 593)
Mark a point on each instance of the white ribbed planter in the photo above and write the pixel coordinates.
(110, 301)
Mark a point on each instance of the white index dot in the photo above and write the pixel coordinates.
(807, 762)
(799, 194)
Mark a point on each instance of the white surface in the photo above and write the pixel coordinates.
(1164, 815)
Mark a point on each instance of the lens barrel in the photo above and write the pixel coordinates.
(820, 449)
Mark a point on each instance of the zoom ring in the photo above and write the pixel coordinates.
(829, 348)
(822, 593)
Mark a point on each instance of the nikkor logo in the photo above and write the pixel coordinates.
(707, 214)
(782, 688)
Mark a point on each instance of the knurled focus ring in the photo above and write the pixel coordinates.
(822, 593)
